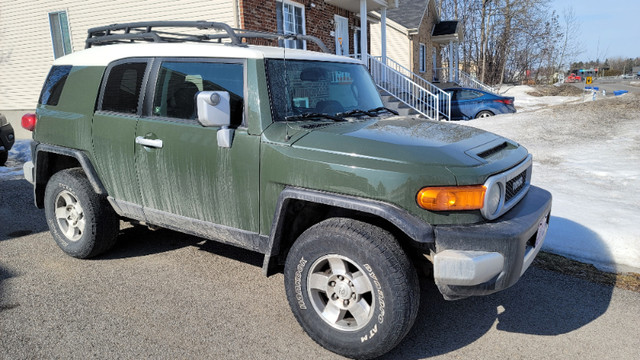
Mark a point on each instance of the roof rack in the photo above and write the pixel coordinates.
(146, 31)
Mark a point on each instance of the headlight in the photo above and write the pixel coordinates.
(492, 199)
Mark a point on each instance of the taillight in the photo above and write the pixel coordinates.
(29, 121)
(505, 101)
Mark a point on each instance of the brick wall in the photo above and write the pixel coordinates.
(261, 15)
(424, 36)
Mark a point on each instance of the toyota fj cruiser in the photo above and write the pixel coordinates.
(288, 153)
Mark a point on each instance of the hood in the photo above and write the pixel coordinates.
(408, 140)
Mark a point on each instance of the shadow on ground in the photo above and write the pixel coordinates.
(18, 214)
(135, 241)
(541, 303)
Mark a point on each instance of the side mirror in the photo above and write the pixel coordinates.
(214, 110)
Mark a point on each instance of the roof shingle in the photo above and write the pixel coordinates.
(409, 13)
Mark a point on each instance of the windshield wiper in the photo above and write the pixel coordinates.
(371, 112)
(378, 109)
(313, 115)
(356, 112)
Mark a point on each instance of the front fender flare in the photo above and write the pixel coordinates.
(415, 228)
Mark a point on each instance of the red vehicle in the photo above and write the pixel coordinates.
(573, 78)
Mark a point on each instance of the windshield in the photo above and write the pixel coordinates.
(313, 87)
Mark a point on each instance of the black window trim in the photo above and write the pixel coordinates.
(154, 71)
(143, 86)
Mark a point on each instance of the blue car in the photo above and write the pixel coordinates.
(469, 103)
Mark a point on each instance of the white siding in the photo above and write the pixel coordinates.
(398, 45)
(26, 50)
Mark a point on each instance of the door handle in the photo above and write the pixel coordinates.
(153, 143)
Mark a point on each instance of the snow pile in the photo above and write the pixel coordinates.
(588, 156)
(525, 102)
(18, 155)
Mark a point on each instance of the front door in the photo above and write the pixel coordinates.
(342, 35)
(183, 172)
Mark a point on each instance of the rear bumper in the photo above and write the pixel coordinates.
(481, 259)
(27, 168)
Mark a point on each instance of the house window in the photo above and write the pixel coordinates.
(423, 58)
(60, 35)
(290, 18)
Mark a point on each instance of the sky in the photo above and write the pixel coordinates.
(608, 29)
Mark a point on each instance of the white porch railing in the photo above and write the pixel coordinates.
(461, 78)
(444, 98)
(422, 96)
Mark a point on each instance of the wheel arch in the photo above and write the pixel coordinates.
(49, 159)
(298, 209)
(491, 111)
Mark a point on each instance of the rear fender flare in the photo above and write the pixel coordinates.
(44, 169)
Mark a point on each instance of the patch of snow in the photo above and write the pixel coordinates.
(525, 102)
(18, 155)
(587, 155)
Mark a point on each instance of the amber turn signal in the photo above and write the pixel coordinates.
(452, 198)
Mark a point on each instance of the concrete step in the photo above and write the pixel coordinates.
(393, 103)
(407, 111)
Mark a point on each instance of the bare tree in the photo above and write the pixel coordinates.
(483, 37)
(570, 46)
(504, 40)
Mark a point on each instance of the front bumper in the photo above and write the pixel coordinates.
(481, 259)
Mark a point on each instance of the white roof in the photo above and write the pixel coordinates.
(104, 54)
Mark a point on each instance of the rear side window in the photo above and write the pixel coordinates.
(122, 91)
(467, 95)
(52, 88)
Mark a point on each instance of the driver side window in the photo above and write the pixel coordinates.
(179, 82)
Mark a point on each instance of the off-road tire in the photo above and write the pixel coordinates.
(370, 255)
(484, 114)
(85, 225)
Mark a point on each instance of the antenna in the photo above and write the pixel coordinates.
(286, 86)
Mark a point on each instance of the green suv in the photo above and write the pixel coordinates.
(288, 153)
